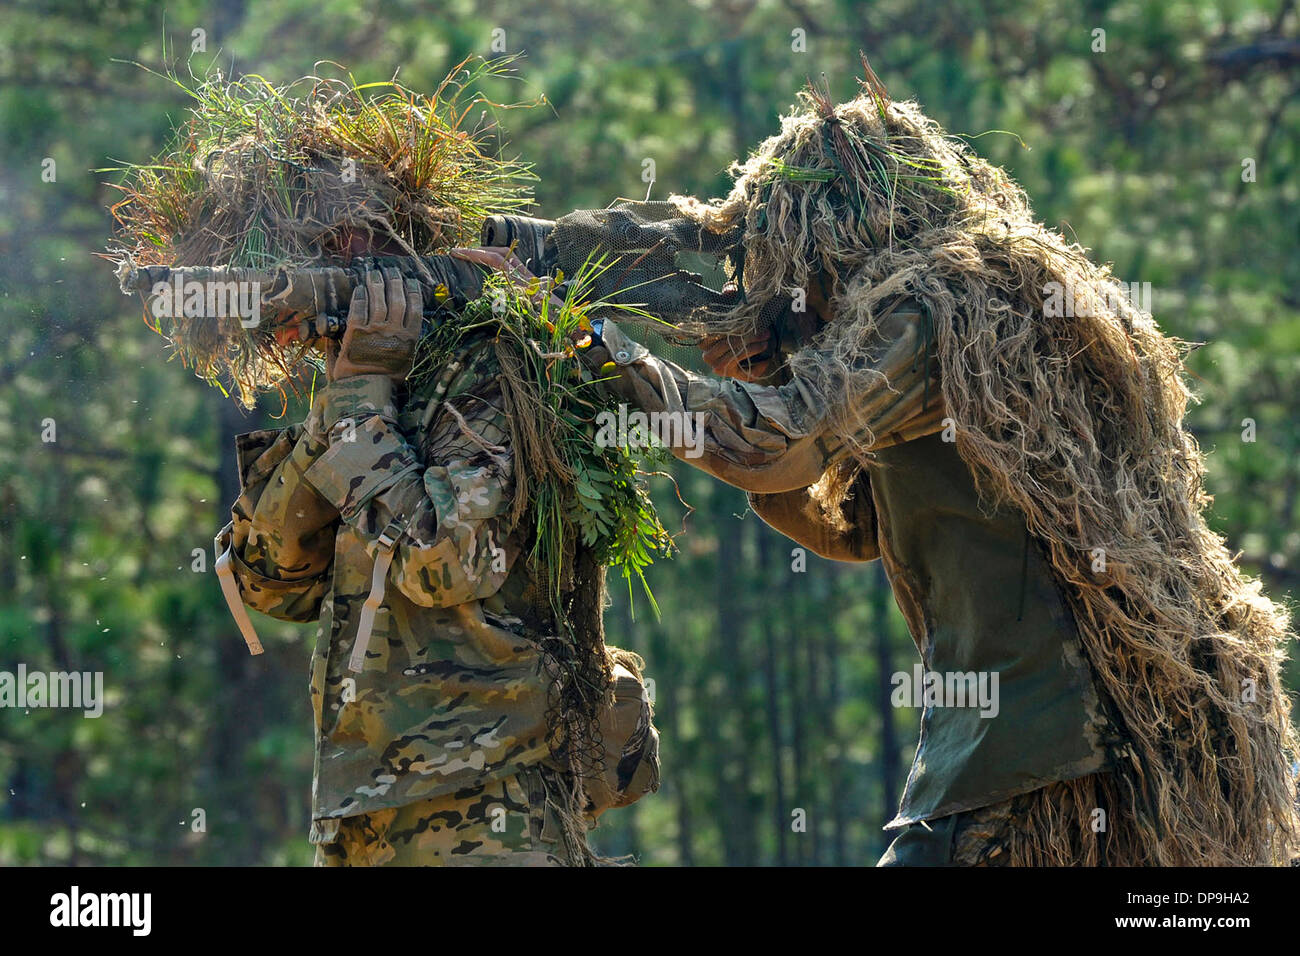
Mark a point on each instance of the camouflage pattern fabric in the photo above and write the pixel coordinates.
(630, 766)
(508, 822)
(451, 695)
(774, 438)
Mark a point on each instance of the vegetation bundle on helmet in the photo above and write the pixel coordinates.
(263, 176)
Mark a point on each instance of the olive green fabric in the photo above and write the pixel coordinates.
(978, 837)
(979, 598)
(923, 844)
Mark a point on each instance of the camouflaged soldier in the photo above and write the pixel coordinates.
(385, 515)
(1000, 612)
(933, 408)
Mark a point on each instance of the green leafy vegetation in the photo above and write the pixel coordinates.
(587, 490)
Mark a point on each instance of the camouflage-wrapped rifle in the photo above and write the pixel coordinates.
(641, 255)
(318, 296)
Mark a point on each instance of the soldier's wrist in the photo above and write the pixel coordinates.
(348, 400)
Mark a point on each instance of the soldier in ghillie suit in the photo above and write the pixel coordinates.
(934, 409)
(466, 707)
(435, 670)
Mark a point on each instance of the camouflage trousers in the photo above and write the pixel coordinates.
(972, 838)
(508, 822)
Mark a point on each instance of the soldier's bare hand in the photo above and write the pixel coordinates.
(739, 357)
(503, 259)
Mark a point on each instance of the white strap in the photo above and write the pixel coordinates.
(231, 591)
(378, 581)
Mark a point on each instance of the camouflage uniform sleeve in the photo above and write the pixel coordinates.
(767, 438)
(281, 533)
(445, 517)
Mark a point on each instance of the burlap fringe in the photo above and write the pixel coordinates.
(1077, 421)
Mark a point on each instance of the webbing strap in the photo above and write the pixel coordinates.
(230, 590)
(378, 580)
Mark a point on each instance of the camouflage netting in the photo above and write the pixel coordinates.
(262, 176)
(1078, 422)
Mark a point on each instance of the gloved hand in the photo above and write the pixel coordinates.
(383, 329)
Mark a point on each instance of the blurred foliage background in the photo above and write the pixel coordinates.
(1173, 153)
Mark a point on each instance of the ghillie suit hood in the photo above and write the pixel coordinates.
(1075, 420)
(260, 176)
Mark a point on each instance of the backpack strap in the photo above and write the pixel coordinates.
(378, 582)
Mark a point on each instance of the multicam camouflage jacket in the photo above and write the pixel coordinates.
(390, 526)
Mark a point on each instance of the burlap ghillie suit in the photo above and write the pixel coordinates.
(950, 419)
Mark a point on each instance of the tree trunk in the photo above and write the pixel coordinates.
(734, 787)
(238, 711)
(767, 577)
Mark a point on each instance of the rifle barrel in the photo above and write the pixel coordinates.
(318, 290)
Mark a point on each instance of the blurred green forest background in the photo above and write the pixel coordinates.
(1173, 153)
